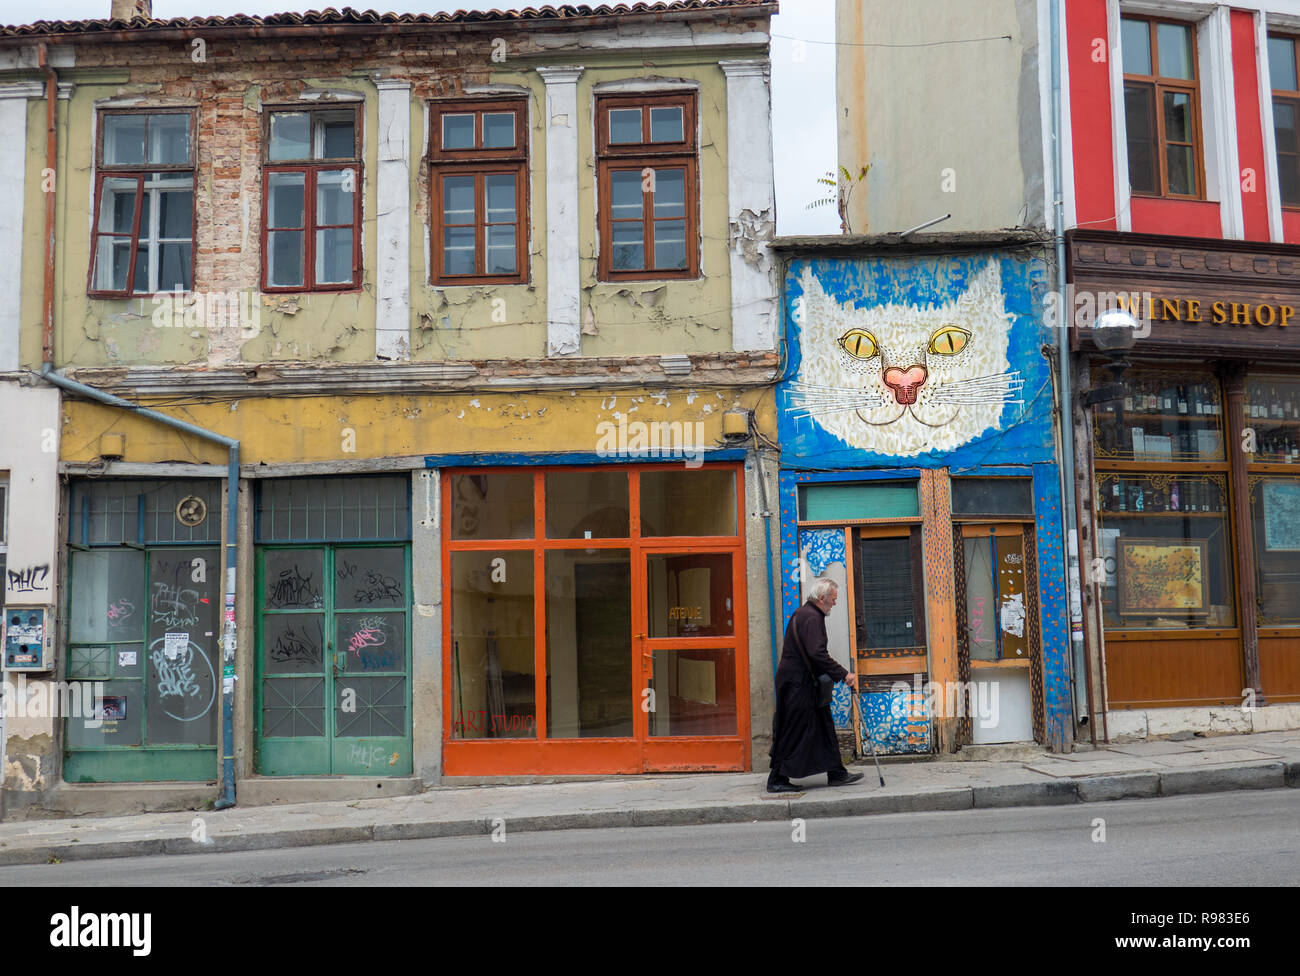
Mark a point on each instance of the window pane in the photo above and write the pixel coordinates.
(866, 499)
(589, 643)
(370, 641)
(1275, 518)
(1272, 409)
(174, 266)
(587, 505)
(684, 502)
(992, 496)
(287, 203)
(666, 124)
(670, 244)
(458, 199)
(670, 193)
(176, 214)
(501, 252)
(334, 201)
(500, 198)
(294, 644)
(624, 125)
(334, 256)
(336, 135)
(1162, 417)
(1182, 170)
(284, 248)
(1281, 63)
(294, 579)
(1289, 179)
(1178, 116)
(289, 135)
(112, 263)
(626, 198)
(108, 600)
(1140, 123)
(1165, 542)
(981, 602)
(494, 505)
(141, 282)
(695, 692)
(689, 595)
(493, 663)
(629, 246)
(169, 140)
(458, 132)
(117, 205)
(1284, 126)
(458, 251)
(370, 578)
(498, 130)
(1175, 51)
(886, 601)
(1135, 42)
(124, 140)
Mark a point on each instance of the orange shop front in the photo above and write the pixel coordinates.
(594, 619)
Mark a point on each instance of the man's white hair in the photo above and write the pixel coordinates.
(822, 588)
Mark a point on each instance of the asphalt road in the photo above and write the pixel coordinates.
(1242, 838)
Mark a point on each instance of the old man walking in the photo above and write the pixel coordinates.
(803, 734)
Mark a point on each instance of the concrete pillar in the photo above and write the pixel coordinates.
(393, 222)
(563, 278)
(751, 205)
(13, 189)
(426, 626)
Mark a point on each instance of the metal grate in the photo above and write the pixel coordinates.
(143, 512)
(342, 509)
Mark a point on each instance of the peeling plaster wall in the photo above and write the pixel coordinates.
(479, 321)
(309, 429)
(228, 183)
(632, 318)
(239, 77)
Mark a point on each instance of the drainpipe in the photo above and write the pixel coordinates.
(227, 799)
(51, 167)
(1071, 508)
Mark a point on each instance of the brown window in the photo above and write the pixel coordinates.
(144, 204)
(1162, 108)
(1286, 115)
(311, 204)
(649, 193)
(478, 156)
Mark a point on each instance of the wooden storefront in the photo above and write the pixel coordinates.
(1190, 515)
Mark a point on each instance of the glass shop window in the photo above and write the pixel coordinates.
(889, 591)
(1164, 416)
(1275, 521)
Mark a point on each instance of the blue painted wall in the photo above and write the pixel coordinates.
(900, 302)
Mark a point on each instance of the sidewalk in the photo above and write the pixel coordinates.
(1145, 769)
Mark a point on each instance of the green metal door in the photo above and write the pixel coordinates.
(334, 660)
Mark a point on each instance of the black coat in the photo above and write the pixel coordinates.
(803, 735)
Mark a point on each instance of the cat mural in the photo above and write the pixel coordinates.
(905, 379)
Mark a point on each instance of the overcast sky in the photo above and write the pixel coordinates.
(803, 79)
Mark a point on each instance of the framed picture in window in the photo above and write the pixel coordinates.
(1162, 576)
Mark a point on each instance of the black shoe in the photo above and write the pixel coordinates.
(845, 780)
(786, 787)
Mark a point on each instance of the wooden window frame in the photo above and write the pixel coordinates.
(1291, 96)
(1158, 85)
(140, 173)
(310, 168)
(479, 163)
(622, 157)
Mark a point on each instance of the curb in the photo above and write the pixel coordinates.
(1086, 789)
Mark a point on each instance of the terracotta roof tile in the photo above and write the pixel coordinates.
(361, 18)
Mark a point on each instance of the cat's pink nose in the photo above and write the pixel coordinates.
(905, 382)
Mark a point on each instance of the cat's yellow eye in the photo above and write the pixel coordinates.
(859, 343)
(949, 341)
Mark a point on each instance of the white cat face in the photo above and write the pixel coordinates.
(902, 380)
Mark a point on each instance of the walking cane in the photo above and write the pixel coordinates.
(861, 726)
